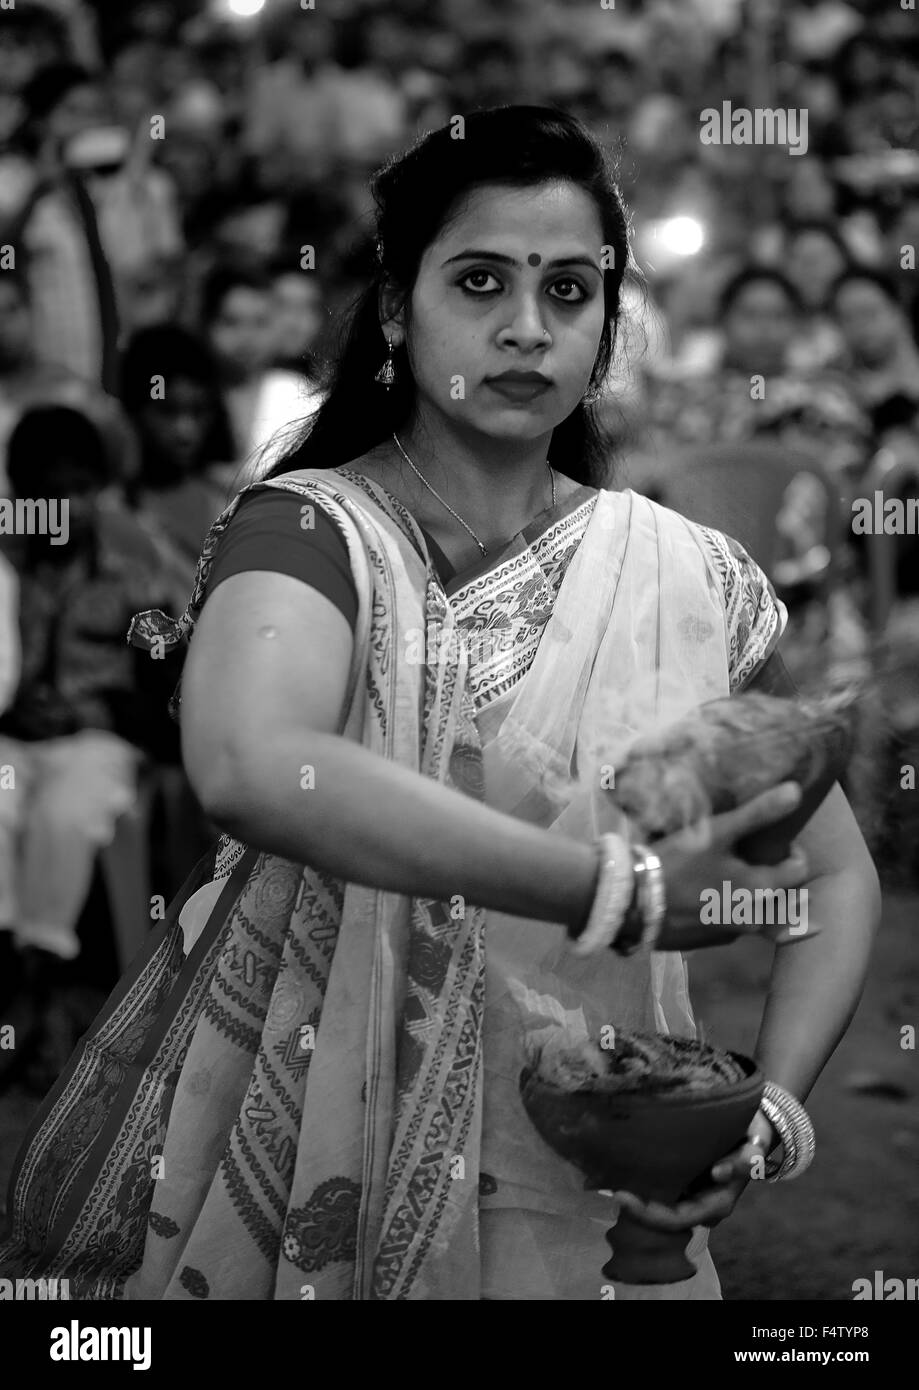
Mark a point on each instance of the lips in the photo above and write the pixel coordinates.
(520, 376)
(519, 386)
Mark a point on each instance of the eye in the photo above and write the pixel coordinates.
(570, 284)
(477, 275)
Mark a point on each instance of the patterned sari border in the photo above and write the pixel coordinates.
(201, 873)
(539, 527)
(118, 1112)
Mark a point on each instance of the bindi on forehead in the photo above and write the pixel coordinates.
(534, 259)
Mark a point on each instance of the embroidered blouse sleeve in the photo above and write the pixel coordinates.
(755, 616)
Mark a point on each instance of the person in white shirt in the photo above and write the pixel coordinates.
(260, 400)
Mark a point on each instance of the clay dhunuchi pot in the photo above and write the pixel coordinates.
(653, 1144)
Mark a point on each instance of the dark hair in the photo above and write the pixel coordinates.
(898, 411)
(415, 195)
(48, 87)
(754, 275)
(169, 350)
(166, 349)
(616, 60)
(46, 434)
(223, 279)
(882, 282)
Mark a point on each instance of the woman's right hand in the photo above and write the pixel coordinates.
(701, 859)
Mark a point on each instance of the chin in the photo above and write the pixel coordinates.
(514, 424)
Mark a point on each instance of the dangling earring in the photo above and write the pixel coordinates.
(387, 373)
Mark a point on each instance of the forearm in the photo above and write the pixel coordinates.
(369, 820)
(817, 980)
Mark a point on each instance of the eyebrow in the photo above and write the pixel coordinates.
(509, 260)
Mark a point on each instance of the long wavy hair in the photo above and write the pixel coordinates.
(415, 194)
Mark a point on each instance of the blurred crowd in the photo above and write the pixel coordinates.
(184, 191)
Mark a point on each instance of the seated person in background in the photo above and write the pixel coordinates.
(814, 255)
(76, 727)
(755, 389)
(881, 359)
(169, 388)
(881, 363)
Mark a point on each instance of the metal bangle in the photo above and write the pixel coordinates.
(652, 897)
(650, 900)
(612, 896)
(795, 1129)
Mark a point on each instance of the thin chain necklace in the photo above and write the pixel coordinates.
(447, 504)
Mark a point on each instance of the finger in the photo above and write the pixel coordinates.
(654, 1214)
(698, 836)
(712, 1205)
(776, 911)
(790, 873)
(738, 1165)
(760, 810)
(727, 1163)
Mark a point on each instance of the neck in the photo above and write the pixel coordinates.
(496, 485)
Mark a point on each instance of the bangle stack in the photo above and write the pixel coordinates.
(626, 872)
(612, 896)
(651, 898)
(793, 1126)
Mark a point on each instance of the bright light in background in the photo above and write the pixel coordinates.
(241, 9)
(681, 236)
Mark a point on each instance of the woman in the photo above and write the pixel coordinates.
(317, 1056)
(882, 356)
(755, 388)
(815, 254)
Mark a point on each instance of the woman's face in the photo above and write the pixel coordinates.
(814, 261)
(483, 304)
(758, 328)
(175, 427)
(809, 193)
(869, 322)
(297, 318)
(240, 333)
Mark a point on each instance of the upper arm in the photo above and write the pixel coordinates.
(239, 683)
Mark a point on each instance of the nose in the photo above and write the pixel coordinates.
(526, 329)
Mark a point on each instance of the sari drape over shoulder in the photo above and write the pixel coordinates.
(306, 1087)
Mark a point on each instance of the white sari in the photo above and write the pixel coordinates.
(637, 636)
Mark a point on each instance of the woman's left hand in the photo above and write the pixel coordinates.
(708, 1205)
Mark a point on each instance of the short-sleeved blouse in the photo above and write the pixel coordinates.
(266, 533)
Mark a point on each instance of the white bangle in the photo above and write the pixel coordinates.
(612, 896)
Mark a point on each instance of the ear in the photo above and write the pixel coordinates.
(391, 305)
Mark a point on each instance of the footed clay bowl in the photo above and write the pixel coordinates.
(655, 1145)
